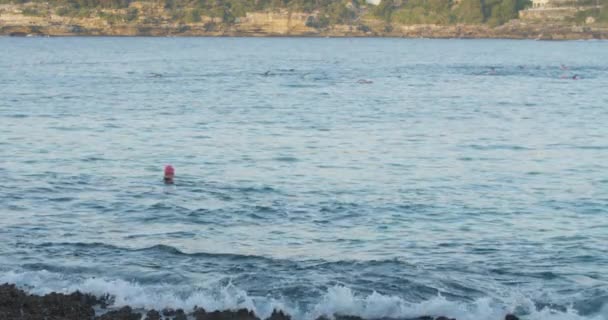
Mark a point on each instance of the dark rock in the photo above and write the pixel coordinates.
(241, 314)
(124, 313)
(105, 301)
(180, 315)
(168, 312)
(344, 317)
(279, 315)
(153, 315)
(57, 304)
(198, 313)
(511, 317)
(16, 304)
(75, 28)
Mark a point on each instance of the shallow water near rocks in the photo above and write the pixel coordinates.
(373, 177)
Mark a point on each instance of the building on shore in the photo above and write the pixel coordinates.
(557, 10)
(539, 3)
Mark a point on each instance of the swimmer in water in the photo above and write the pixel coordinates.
(169, 174)
(575, 77)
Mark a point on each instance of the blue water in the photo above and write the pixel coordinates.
(468, 179)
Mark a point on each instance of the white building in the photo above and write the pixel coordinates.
(374, 2)
(557, 3)
(540, 3)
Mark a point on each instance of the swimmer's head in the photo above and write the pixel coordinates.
(169, 173)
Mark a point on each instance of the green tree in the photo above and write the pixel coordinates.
(193, 16)
(131, 14)
(470, 11)
(384, 10)
(504, 11)
(603, 15)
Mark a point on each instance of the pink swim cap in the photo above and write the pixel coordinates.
(169, 171)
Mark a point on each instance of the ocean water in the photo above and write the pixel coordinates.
(371, 177)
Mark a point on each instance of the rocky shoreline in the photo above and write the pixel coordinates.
(148, 18)
(283, 24)
(16, 304)
(516, 30)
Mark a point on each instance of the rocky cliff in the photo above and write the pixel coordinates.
(37, 20)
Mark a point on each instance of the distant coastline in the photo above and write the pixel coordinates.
(34, 19)
(514, 30)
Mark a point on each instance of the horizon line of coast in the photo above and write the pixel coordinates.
(352, 19)
(15, 303)
(516, 30)
(292, 36)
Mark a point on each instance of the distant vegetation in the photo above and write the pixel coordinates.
(328, 12)
(600, 13)
(448, 11)
(324, 13)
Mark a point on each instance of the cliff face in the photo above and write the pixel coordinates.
(152, 21)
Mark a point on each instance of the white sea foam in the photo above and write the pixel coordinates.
(336, 300)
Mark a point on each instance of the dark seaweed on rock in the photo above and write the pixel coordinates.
(15, 304)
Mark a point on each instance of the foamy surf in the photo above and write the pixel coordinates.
(337, 300)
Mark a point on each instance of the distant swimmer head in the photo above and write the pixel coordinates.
(169, 174)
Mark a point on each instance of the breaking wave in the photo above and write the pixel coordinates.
(334, 300)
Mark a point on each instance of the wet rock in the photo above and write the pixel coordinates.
(57, 304)
(12, 300)
(198, 313)
(180, 315)
(105, 301)
(345, 317)
(16, 304)
(241, 314)
(279, 315)
(168, 312)
(124, 313)
(152, 315)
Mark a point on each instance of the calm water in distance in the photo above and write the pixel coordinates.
(376, 177)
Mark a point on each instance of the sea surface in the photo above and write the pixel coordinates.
(371, 177)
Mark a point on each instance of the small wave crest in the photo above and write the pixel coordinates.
(336, 300)
(155, 249)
